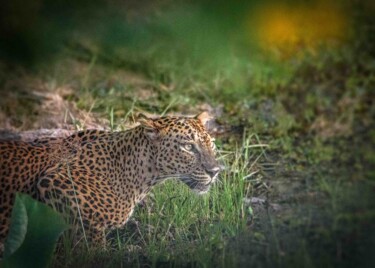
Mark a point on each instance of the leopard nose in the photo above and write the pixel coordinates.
(213, 171)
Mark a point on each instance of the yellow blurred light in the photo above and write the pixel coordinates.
(289, 29)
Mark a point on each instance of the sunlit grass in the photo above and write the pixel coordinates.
(291, 29)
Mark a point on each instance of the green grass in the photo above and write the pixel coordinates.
(315, 186)
(316, 189)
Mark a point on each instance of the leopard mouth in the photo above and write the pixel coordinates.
(199, 185)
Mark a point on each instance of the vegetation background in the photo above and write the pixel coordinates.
(291, 84)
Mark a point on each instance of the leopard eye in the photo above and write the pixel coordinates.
(188, 147)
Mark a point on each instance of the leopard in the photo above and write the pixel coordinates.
(100, 176)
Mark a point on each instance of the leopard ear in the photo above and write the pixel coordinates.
(204, 117)
(145, 121)
(151, 129)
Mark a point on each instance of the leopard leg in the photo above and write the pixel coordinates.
(83, 202)
(6, 205)
(96, 237)
(4, 225)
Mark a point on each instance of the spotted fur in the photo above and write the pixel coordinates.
(100, 176)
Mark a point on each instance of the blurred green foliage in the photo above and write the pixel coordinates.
(33, 233)
(199, 37)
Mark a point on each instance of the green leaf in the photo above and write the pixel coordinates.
(17, 229)
(33, 233)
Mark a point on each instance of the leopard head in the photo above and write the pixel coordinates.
(183, 149)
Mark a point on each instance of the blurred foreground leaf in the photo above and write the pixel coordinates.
(33, 233)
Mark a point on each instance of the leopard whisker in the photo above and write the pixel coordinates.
(173, 176)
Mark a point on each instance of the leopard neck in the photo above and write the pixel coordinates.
(135, 169)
